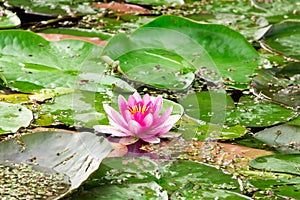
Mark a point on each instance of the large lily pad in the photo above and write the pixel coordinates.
(13, 117)
(75, 155)
(287, 163)
(208, 106)
(80, 108)
(254, 112)
(169, 49)
(54, 7)
(180, 179)
(283, 38)
(286, 138)
(30, 62)
(280, 85)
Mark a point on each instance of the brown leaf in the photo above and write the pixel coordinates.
(56, 37)
(119, 150)
(122, 8)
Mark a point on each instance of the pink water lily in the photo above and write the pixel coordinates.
(139, 118)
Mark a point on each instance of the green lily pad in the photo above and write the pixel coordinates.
(179, 179)
(8, 19)
(143, 191)
(286, 163)
(79, 109)
(13, 117)
(286, 138)
(218, 132)
(29, 62)
(55, 7)
(208, 106)
(159, 51)
(75, 155)
(280, 85)
(283, 38)
(281, 187)
(253, 112)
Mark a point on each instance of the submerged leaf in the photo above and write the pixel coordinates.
(76, 155)
(13, 117)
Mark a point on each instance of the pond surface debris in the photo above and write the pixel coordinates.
(22, 181)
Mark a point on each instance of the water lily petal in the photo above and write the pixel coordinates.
(127, 115)
(114, 116)
(169, 124)
(157, 105)
(151, 139)
(146, 99)
(122, 105)
(160, 120)
(148, 120)
(134, 127)
(109, 129)
(137, 96)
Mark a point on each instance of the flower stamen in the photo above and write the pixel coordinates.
(140, 107)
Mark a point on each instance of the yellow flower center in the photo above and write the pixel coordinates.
(140, 107)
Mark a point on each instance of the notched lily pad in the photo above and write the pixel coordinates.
(13, 117)
(158, 50)
(283, 38)
(74, 155)
(286, 163)
(286, 138)
(79, 109)
(280, 85)
(254, 112)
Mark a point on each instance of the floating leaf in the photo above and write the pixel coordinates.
(208, 106)
(214, 131)
(283, 38)
(143, 191)
(280, 85)
(283, 187)
(8, 19)
(13, 117)
(252, 112)
(159, 51)
(76, 155)
(286, 163)
(79, 109)
(54, 7)
(30, 62)
(286, 138)
(178, 179)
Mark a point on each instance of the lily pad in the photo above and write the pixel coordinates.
(179, 179)
(286, 138)
(55, 7)
(79, 109)
(283, 38)
(286, 163)
(8, 19)
(30, 62)
(159, 51)
(208, 106)
(281, 187)
(13, 117)
(214, 131)
(253, 112)
(143, 191)
(280, 85)
(75, 155)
